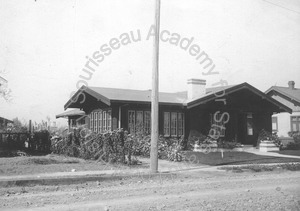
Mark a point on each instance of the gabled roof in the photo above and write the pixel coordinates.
(74, 112)
(231, 89)
(109, 95)
(291, 94)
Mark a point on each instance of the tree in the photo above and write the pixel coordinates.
(16, 126)
(5, 92)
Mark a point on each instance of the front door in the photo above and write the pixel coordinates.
(250, 137)
(246, 131)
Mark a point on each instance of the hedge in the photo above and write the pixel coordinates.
(116, 146)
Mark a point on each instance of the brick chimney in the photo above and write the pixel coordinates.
(291, 84)
(196, 88)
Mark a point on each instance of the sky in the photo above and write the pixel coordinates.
(45, 45)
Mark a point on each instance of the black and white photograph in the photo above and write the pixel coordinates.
(149, 105)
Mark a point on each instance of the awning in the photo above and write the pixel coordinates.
(71, 113)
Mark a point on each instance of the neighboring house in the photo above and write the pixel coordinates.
(4, 122)
(75, 117)
(290, 96)
(243, 110)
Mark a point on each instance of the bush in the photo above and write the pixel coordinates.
(268, 136)
(292, 146)
(40, 141)
(296, 144)
(115, 146)
(228, 144)
(295, 136)
(199, 139)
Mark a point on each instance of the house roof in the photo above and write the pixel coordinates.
(231, 89)
(7, 120)
(292, 94)
(109, 95)
(139, 95)
(74, 112)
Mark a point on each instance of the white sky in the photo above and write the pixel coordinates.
(43, 46)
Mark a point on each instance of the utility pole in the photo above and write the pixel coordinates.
(154, 93)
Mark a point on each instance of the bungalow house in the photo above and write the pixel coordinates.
(284, 122)
(239, 115)
(4, 122)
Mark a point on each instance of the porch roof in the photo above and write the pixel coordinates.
(70, 113)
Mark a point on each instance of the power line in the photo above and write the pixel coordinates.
(281, 6)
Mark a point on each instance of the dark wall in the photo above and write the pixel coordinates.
(198, 120)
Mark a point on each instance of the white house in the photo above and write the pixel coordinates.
(284, 122)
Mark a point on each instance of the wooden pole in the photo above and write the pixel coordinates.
(154, 94)
(29, 127)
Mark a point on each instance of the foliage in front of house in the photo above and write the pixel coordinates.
(265, 135)
(205, 140)
(296, 144)
(116, 146)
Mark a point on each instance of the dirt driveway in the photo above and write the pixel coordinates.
(194, 190)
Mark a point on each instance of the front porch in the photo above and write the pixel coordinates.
(240, 118)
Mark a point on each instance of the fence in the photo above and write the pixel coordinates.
(38, 141)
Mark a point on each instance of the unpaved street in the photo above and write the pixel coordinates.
(196, 190)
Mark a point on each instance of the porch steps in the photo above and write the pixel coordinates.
(266, 146)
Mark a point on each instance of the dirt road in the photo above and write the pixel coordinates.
(186, 191)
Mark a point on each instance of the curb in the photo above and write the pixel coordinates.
(76, 179)
(52, 180)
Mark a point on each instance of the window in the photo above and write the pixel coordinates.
(147, 122)
(166, 123)
(109, 120)
(104, 121)
(131, 121)
(295, 123)
(180, 124)
(274, 124)
(139, 121)
(218, 125)
(173, 124)
(95, 122)
(249, 124)
(91, 121)
(100, 122)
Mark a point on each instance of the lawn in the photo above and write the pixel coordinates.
(49, 164)
(289, 152)
(56, 163)
(234, 158)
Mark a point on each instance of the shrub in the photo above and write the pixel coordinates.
(40, 141)
(292, 146)
(295, 135)
(268, 136)
(296, 144)
(115, 146)
(227, 144)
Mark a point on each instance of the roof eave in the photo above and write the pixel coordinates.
(212, 96)
(148, 102)
(280, 92)
(89, 91)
